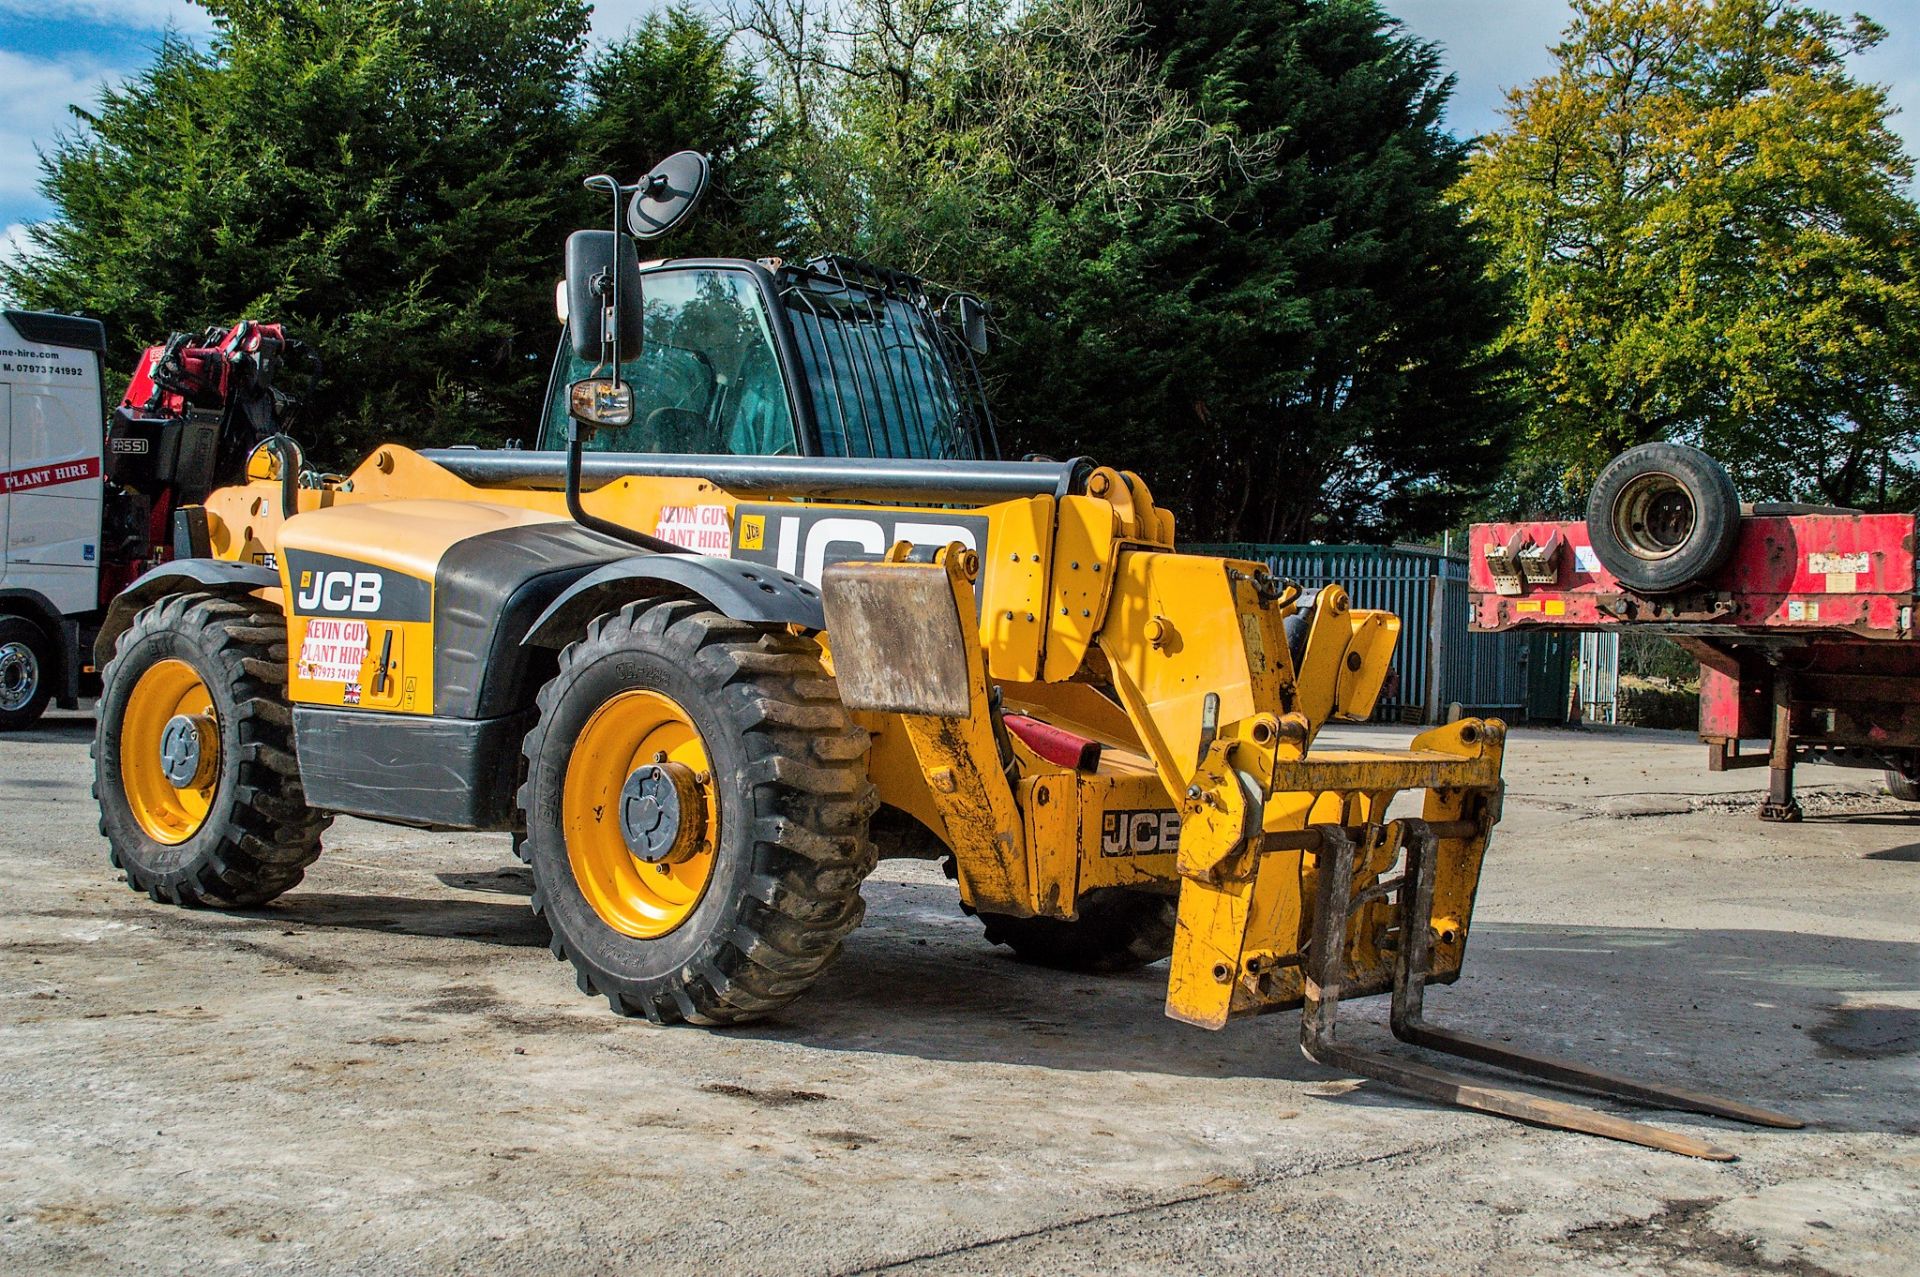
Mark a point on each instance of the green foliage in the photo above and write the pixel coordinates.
(1652, 656)
(393, 179)
(1660, 706)
(1217, 236)
(380, 175)
(1303, 354)
(672, 84)
(1712, 227)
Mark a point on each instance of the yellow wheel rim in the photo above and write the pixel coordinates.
(168, 813)
(632, 896)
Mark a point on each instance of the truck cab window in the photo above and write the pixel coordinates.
(707, 381)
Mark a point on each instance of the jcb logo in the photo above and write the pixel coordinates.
(804, 541)
(339, 592)
(1136, 833)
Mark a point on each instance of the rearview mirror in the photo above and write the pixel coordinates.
(601, 401)
(603, 269)
(973, 323)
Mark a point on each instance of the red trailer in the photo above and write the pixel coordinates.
(1801, 616)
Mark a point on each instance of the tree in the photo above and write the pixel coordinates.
(1216, 234)
(673, 83)
(1303, 353)
(1710, 222)
(389, 177)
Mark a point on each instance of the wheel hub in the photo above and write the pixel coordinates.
(1654, 516)
(19, 675)
(661, 814)
(184, 753)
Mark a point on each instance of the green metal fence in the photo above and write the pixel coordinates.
(1521, 677)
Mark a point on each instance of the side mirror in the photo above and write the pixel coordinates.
(595, 261)
(601, 401)
(973, 323)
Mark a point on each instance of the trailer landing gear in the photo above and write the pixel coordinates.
(1325, 974)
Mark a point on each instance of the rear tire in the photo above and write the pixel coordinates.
(241, 832)
(1903, 787)
(1119, 929)
(26, 670)
(758, 906)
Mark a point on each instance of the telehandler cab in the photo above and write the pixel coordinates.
(760, 610)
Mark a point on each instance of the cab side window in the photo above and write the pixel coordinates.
(707, 379)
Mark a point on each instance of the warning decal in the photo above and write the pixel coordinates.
(1849, 564)
(705, 528)
(333, 651)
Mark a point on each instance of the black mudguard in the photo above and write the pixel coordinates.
(744, 591)
(199, 576)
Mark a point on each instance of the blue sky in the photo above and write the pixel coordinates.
(57, 52)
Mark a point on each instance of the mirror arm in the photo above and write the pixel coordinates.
(577, 435)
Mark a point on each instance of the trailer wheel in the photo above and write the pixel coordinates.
(26, 667)
(1662, 517)
(194, 767)
(696, 808)
(1119, 929)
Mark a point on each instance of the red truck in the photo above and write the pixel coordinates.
(1801, 616)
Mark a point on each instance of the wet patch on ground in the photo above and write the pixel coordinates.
(461, 999)
(1681, 1238)
(773, 1099)
(1870, 1031)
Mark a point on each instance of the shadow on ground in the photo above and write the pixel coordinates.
(1816, 1021)
(1810, 1014)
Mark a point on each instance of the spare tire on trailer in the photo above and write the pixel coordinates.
(1663, 517)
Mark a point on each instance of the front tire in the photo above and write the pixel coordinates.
(194, 767)
(733, 902)
(26, 667)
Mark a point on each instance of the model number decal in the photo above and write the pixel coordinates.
(1136, 833)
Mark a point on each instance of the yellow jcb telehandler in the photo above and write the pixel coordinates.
(757, 612)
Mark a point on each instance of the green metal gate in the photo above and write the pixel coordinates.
(1549, 656)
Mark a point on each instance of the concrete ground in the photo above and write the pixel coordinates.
(385, 1072)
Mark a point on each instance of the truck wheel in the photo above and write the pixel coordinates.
(696, 808)
(1119, 929)
(26, 664)
(1662, 517)
(194, 768)
(1903, 787)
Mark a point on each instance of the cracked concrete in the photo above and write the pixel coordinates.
(384, 1072)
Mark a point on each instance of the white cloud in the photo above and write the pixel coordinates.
(612, 18)
(138, 15)
(34, 96)
(14, 247)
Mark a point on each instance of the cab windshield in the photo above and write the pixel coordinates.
(707, 379)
